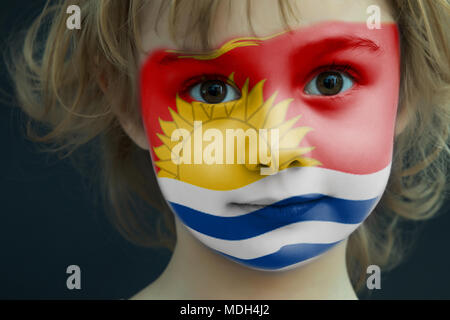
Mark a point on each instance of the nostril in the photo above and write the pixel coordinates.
(294, 163)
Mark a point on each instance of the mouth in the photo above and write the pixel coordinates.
(287, 209)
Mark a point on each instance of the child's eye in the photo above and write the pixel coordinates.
(214, 91)
(329, 83)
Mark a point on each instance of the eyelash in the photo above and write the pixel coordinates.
(190, 83)
(346, 68)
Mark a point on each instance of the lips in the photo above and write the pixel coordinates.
(282, 203)
(288, 209)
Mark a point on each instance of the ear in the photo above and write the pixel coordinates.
(135, 132)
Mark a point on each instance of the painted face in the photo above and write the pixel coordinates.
(273, 150)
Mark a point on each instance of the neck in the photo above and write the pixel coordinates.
(196, 272)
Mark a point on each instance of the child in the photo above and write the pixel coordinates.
(346, 123)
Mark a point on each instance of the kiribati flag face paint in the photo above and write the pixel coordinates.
(320, 100)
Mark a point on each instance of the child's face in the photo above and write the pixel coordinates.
(316, 108)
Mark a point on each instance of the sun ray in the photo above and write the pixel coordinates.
(200, 113)
(293, 137)
(238, 111)
(277, 114)
(164, 174)
(167, 127)
(255, 99)
(163, 152)
(286, 126)
(179, 121)
(257, 118)
(166, 140)
(207, 109)
(185, 109)
(231, 77)
(220, 111)
(230, 107)
(168, 166)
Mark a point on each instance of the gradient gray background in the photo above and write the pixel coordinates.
(48, 221)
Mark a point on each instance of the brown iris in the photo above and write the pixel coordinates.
(329, 83)
(213, 91)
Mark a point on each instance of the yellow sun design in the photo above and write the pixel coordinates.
(248, 112)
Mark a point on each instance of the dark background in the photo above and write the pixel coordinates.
(49, 221)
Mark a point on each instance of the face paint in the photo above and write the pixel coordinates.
(330, 90)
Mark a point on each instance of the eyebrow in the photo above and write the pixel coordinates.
(330, 44)
(343, 42)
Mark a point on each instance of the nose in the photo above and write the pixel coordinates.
(284, 158)
(279, 149)
(296, 158)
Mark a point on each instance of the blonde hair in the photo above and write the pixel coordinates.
(58, 83)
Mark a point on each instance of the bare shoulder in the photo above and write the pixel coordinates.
(148, 293)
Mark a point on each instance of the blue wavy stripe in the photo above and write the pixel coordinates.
(272, 217)
(286, 256)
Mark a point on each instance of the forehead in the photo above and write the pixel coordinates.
(230, 19)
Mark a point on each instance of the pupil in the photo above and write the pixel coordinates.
(213, 91)
(330, 83)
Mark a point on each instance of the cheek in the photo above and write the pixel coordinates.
(358, 138)
(354, 131)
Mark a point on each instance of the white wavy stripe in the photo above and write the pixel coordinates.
(283, 185)
(272, 241)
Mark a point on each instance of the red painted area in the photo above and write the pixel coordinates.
(353, 131)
